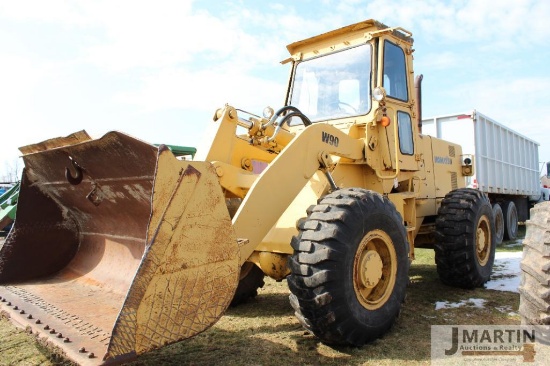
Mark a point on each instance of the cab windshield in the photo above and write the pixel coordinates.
(334, 86)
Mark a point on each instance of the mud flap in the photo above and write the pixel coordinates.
(127, 251)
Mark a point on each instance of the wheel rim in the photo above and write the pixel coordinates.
(483, 240)
(374, 270)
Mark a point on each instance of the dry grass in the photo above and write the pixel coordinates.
(265, 332)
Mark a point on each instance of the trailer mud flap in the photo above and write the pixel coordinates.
(118, 248)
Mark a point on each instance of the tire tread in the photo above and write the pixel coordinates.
(316, 266)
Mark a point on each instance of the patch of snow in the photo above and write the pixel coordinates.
(476, 303)
(506, 277)
(506, 272)
(504, 309)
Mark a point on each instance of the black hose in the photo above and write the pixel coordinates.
(295, 113)
(298, 114)
(283, 110)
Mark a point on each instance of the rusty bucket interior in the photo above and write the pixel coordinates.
(118, 248)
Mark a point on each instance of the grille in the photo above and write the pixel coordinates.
(451, 151)
(454, 182)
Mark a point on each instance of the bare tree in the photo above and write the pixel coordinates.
(12, 171)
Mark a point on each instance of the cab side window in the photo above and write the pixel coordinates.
(395, 74)
(405, 131)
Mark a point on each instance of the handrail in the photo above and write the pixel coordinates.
(397, 170)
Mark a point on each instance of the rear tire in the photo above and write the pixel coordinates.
(534, 300)
(252, 278)
(510, 213)
(465, 239)
(499, 223)
(350, 267)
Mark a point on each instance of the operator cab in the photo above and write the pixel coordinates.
(335, 82)
(335, 85)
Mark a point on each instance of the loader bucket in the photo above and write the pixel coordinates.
(118, 248)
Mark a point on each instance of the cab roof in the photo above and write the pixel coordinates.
(352, 31)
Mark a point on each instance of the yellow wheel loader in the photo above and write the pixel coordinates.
(120, 247)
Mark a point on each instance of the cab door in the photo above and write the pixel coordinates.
(395, 75)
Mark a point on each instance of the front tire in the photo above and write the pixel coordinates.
(465, 239)
(349, 267)
(251, 279)
(251, 276)
(534, 300)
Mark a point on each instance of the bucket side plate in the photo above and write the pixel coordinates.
(190, 271)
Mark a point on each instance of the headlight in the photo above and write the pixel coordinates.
(379, 94)
(268, 112)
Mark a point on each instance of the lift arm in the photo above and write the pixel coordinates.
(285, 177)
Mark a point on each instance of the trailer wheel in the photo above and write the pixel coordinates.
(499, 223)
(534, 299)
(349, 267)
(251, 279)
(465, 239)
(510, 220)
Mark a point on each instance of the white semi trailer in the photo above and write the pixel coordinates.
(506, 164)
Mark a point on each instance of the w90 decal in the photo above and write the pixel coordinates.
(329, 139)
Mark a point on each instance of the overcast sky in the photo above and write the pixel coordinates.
(158, 69)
